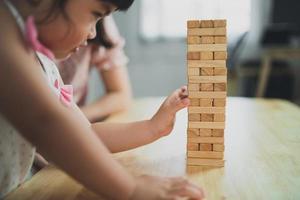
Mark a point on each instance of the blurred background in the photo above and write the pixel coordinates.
(263, 45)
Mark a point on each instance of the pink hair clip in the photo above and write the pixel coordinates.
(31, 35)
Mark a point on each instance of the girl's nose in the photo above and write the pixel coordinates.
(92, 33)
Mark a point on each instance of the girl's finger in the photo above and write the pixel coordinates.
(188, 191)
(184, 88)
(183, 187)
(183, 92)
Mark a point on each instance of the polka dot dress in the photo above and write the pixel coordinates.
(16, 153)
(16, 157)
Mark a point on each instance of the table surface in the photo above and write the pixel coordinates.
(262, 145)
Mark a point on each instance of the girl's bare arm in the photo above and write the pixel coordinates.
(120, 137)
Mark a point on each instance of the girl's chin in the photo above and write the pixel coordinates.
(66, 54)
(63, 56)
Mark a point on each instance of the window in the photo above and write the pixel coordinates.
(167, 18)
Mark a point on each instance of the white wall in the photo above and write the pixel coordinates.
(155, 69)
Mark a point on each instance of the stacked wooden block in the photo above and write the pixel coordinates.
(207, 86)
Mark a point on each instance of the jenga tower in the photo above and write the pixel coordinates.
(207, 86)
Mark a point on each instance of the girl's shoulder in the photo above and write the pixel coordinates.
(49, 66)
(51, 71)
(13, 44)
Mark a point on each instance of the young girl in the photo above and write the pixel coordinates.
(36, 108)
(105, 54)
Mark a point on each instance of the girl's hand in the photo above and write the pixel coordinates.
(162, 122)
(157, 188)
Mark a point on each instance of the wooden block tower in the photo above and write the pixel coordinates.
(207, 87)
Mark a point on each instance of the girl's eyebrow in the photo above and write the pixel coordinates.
(106, 7)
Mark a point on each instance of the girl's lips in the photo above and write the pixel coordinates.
(80, 46)
(75, 49)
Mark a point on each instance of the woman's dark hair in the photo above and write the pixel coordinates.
(101, 38)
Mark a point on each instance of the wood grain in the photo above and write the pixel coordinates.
(262, 159)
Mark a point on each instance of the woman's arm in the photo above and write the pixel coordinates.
(57, 131)
(117, 98)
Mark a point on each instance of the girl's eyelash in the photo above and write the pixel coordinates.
(98, 15)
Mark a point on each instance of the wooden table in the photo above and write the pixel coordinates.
(262, 142)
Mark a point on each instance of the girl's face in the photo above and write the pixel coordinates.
(64, 36)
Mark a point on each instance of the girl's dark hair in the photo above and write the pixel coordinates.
(121, 5)
(101, 38)
(57, 5)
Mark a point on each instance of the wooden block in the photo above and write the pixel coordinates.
(206, 40)
(207, 78)
(216, 132)
(206, 140)
(193, 71)
(194, 117)
(205, 147)
(193, 55)
(207, 63)
(220, 55)
(220, 71)
(206, 102)
(200, 94)
(206, 47)
(219, 117)
(207, 117)
(193, 146)
(219, 23)
(206, 55)
(194, 87)
(205, 162)
(207, 31)
(220, 86)
(207, 24)
(219, 102)
(206, 87)
(208, 110)
(218, 147)
(206, 71)
(193, 132)
(193, 23)
(194, 102)
(205, 154)
(194, 40)
(204, 132)
(220, 40)
(208, 125)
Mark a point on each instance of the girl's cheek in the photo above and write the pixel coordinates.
(77, 36)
